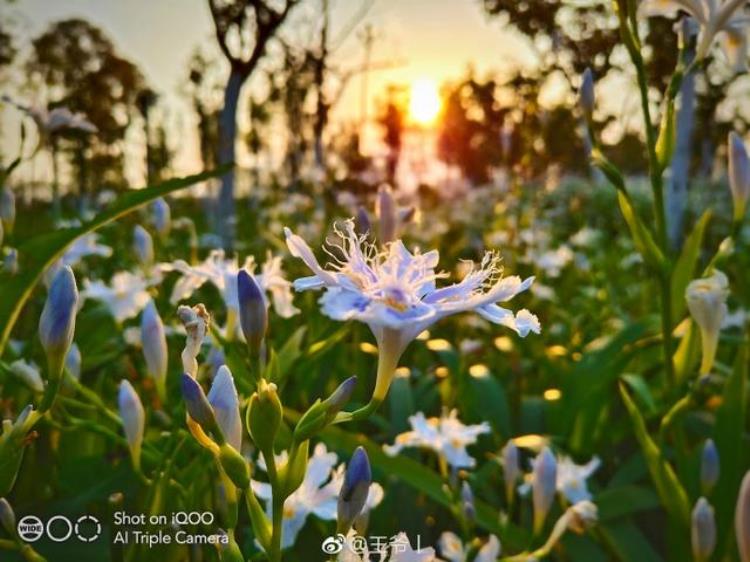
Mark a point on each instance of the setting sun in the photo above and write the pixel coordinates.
(424, 102)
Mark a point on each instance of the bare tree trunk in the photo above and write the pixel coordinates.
(321, 112)
(677, 188)
(55, 180)
(227, 219)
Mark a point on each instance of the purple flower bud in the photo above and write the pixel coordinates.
(739, 174)
(162, 216)
(709, 466)
(511, 469)
(703, 530)
(544, 486)
(58, 320)
(154, 344)
(586, 96)
(73, 361)
(196, 402)
(133, 419)
(467, 501)
(226, 406)
(253, 312)
(354, 490)
(143, 246)
(362, 223)
(339, 398)
(7, 208)
(386, 210)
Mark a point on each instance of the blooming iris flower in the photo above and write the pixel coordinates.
(395, 293)
(222, 273)
(715, 18)
(125, 296)
(446, 435)
(571, 478)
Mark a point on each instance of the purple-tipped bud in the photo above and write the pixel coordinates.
(162, 217)
(196, 402)
(387, 216)
(339, 397)
(57, 323)
(586, 96)
(362, 222)
(253, 311)
(511, 469)
(710, 466)
(742, 519)
(703, 530)
(73, 361)
(544, 486)
(226, 406)
(143, 246)
(154, 344)
(354, 490)
(739, 174)
(133, 419)
(467, 501)
(7, 208)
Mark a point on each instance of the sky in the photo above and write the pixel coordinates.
(423, 40)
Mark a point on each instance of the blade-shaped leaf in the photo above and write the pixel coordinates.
(37, 254)
(642, 238)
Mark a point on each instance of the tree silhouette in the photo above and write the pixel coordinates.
(243, 30)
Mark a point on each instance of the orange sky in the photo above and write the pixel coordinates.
(430, 40)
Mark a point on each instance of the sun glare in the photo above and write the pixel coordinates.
(424, 101)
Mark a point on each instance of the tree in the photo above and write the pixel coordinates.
(74, 64)
(392, 121)
(243, 30)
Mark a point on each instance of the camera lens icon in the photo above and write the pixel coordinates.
(30, 528)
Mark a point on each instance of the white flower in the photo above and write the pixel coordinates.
(446, 435)
(395, 293)
(222, 273)
(722, 18)
(29, 374)
(554, 261)
(57, 119)
(125, 296)
(571, 478)
(707, 302)
(318, 494)
(84, 246)
(453, 550)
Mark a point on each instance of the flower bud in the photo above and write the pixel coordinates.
(586, 96)
(706, 300)
(582, 516)
(197, 404)
(58, 320)
(386, 212)
(709, 466)
(7, 517)
(354, 490)
(511, 469)
(226, 406)
(703, 530)
(253, 312)
(320, 414)
(162, 217)
(196, 321)
(154, 345)
(739, 175)
(362, 222)
(143, 246)
(264, 416)
(29, 374)
(10, 263)
(742, 519)
(543, 486)
(73, 361)
(467, 501)
(133, 419)
(7, 209)
(235, 466)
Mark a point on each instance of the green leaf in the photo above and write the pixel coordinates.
(37, 254)
(291, 351)
(688, 352)
(484, 398)
(641, 388)
(620, 501)
(684, 269)
(628, 542)
(642, 238)
(728, 436)
(671, 493)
